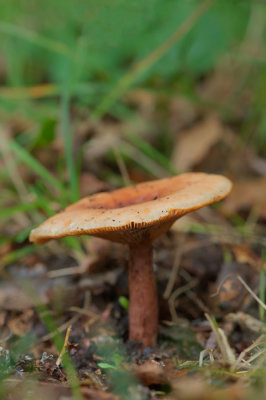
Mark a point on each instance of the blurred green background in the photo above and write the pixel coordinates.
(63, 63)
(89, 46)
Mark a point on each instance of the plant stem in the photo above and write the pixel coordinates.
(68, 139)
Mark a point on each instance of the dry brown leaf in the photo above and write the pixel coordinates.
(107, 139)
(90, 184)
(245, 255)
(196, 142)
(232, 296)
(182, 113)
(21, 324)
(245, 196)
(6, 248)
(223, 87)
(18, 389)
(196, 388)
(151, 373)
(256, 163)
(13, 298)
(144, 99)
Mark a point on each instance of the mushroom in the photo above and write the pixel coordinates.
(136, 216)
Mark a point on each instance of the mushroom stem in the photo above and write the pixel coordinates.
(143, 306)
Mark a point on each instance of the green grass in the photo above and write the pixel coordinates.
(19, 32)
(34, 165)
(16, 255)
(151, 152)
(68, 140)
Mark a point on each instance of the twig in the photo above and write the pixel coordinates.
(222, 283)
(245, 351)
(77, 270)
(177, 293)
(122, 167)
(228, 356)
(174, 272)
(83, 311)
(61, 328)
(256, 355)
(208, 351)
(91, 316)
(251, 292)
(191, 295)
(62, 352)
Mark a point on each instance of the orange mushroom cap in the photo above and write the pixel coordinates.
(137, 213)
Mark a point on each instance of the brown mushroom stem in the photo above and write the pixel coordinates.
(143, 302)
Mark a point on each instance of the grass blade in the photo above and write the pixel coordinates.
(22, 33)
(151, 152)
(67, 136)
(128, 150)
(35, 166)
(19, 208)
(16, 255)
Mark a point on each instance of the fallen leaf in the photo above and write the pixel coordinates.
(223, 87)
(21, 324)
(182, 113)
(195, 388)
(231, 294)
(246, 196)
(245, 255)
(13, 298)
(98, 146)
(90, 184)
(151, 373)
(145, 100)
(17, 389)
(196, 142)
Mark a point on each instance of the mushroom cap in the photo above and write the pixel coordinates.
(135, 214)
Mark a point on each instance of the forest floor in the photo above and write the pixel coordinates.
(64, 306)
